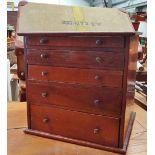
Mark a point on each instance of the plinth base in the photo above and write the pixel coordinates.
(89, 144)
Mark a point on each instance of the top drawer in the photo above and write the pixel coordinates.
(106, 41)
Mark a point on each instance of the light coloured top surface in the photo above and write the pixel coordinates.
(47, 18)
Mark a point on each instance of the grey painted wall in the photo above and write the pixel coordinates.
(65, 2)
(130, 5)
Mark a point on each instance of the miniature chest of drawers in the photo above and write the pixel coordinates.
(78, 83)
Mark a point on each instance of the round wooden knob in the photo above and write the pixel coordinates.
(44, 94)
(97, 102)
(98, 59)
(45, 120)
(99, 42)
(44, 40)
(22, 74)
(96, 131)
(44, 73)
(97, 77)
(44, 56)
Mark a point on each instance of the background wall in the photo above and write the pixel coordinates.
(130, 5)
(63, 2)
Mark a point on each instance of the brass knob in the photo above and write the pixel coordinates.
(44, 73)
(96, 102)
(44, 56)
(44, 40)
(98, 59)
(99, 42)
(96, 131)
(45, 120)
(44, 94)
(97, 77)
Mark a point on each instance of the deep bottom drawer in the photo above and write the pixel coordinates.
(76, 125)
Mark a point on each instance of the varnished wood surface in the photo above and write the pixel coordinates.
(24, 144)
(66, 123)
(75, 75)
(94, 100)
(90, 58)
(76, 41)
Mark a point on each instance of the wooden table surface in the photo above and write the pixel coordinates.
(20, 143)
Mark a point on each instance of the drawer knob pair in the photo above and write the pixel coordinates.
(44, 56)
(96, 131)
(44, 94)
(99, 42)
(44, 40)
(45, 120)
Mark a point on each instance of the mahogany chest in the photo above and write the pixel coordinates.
(78, 85)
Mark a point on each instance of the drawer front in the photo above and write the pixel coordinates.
(86, 59)
(75, 75)
(106, 41)
(96, 129)
(97, 100)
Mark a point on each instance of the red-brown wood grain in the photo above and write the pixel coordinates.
(95, 100)
(64, 66)
(98, 129)
(75, 75)
(76, 41)
(104, 59)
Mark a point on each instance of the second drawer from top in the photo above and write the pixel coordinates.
(113, 59)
